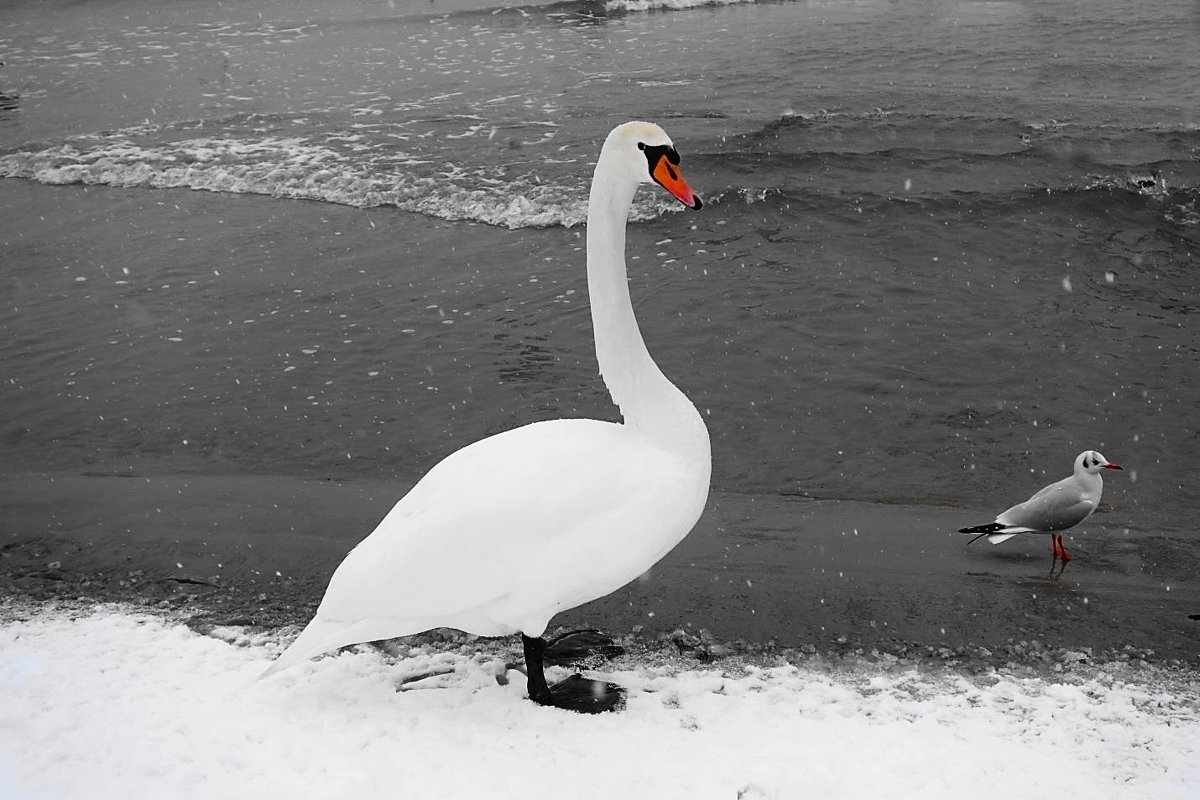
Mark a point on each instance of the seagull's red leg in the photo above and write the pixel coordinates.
(1053, 553)
(1060, 552)
(1063, 554)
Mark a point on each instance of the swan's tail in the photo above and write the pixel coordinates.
(319, 636)
(322, 635)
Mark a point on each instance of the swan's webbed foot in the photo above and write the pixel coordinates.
(586, 695)
(574, 647)
(576, 693)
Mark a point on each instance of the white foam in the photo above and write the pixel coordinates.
(340, 170)
(115, 704)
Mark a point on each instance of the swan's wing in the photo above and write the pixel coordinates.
(509, 515)
(1056, 507)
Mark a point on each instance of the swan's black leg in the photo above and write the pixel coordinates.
(576, 693)
(535, 650)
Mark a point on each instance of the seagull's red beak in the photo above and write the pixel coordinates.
(668, 176)
(1111, 465)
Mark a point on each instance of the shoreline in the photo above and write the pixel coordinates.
(758, 574)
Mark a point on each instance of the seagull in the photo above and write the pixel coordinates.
(1057, 507)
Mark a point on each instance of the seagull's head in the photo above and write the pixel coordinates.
(1092, 462)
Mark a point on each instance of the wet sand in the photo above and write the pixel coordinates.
(819, 574)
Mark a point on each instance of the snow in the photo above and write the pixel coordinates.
(112, 702)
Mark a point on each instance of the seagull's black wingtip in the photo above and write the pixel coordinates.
(991, 527)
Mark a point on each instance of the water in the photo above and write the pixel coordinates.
(946, 246)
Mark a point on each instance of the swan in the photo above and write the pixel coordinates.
(505, 533)
(1057, 507)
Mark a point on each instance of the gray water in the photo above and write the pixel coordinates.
(946, 246)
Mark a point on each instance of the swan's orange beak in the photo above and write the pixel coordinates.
(668, 176)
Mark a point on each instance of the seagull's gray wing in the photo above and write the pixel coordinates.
(1055, 508)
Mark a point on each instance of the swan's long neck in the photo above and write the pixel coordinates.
(648, 401)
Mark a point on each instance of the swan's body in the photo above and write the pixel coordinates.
(503, 534)
(495, 545)
(1057, 507)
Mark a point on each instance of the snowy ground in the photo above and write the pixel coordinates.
(114, 703)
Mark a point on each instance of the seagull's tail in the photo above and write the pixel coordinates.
(996, 532)
(991, 527)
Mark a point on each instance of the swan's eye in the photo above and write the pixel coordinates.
(655, 152)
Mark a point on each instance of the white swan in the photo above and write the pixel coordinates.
(505, 533)
(1057, 507)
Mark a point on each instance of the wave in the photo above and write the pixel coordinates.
(602, 8)
(588, 9)
(344, 170)
(896, 155)
(1178, 206)
(290, 168)
(666, 5)
(296, 168)
(887, 129)
(793, 117)
(883, 156)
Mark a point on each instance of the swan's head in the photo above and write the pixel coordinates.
(1092, 462)
(643, 152)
